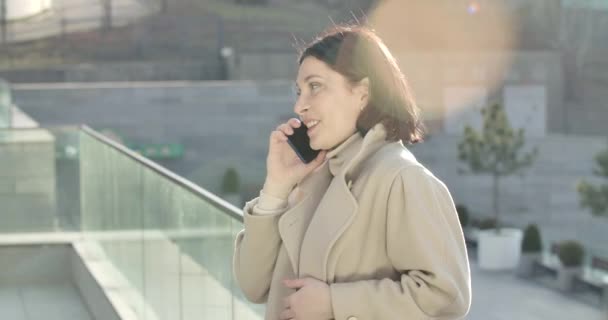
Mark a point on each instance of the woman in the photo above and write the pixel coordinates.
(364, 231)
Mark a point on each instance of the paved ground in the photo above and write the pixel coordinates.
(42, 302)
(503, 295)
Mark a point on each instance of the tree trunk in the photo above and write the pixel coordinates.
(495, 200)
(106, 23)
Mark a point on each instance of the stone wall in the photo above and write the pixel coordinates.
(206, 69)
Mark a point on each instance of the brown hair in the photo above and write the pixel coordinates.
(356, 52)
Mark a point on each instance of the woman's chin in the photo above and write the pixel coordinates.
(319, 145)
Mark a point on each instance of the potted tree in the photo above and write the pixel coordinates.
(497, 151)
(531, 247)
(231, 187)
(570, 255)
(595, 198)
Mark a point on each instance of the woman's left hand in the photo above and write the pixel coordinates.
(312, 300)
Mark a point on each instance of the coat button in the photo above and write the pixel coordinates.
(352, 318)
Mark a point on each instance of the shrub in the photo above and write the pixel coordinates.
(595, 197)
(230, 182)
(488, 223)
(463, 215)
(531, 241)
(571, 253)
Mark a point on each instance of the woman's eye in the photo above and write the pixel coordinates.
(313, 86)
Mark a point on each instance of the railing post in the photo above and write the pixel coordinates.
(63, 27)
(3, 19)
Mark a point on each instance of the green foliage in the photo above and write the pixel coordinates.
(230, 182)
(531, 241)
(571, 253)
(463, 215)
(488, 223)
(497, 148)
(593, 197)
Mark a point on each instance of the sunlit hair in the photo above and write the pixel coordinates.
(357, 52)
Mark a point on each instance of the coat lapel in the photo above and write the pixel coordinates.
(333, 215)
(294, 222)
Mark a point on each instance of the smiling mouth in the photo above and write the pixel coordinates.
(312, 129)
(312, 123)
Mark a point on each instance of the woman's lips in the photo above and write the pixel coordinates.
(313, 129)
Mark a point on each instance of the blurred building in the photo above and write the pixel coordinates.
(122, 237)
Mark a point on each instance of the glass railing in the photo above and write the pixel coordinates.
(171, 240)
(5, 105)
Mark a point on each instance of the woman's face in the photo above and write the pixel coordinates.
(327, 97)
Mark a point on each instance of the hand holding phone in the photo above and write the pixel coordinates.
(290, 158)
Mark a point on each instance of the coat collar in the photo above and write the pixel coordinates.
(373, 140)
(327, 205)
(343, 153)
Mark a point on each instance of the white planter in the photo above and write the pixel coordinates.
(604, 302)
(499, 251)
(565, 277)
(526, 263)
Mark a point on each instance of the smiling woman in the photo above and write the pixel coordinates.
(364, 231)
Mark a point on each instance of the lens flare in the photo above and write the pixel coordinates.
(442, 48)
(473, 7)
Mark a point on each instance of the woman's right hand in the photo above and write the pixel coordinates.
(283, 166)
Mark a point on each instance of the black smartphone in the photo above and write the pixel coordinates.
(300, 143)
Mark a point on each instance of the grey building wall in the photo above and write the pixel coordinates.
(265, 66)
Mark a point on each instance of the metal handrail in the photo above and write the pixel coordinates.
(196, 190)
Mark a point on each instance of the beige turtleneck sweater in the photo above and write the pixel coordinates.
(336, 158)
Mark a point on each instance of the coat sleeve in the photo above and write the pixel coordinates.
(256, 250)
(426, 247)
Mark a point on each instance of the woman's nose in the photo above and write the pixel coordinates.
(301, 107)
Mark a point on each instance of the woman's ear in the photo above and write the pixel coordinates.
(363, 91)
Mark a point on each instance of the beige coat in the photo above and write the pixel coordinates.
(383, 233)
